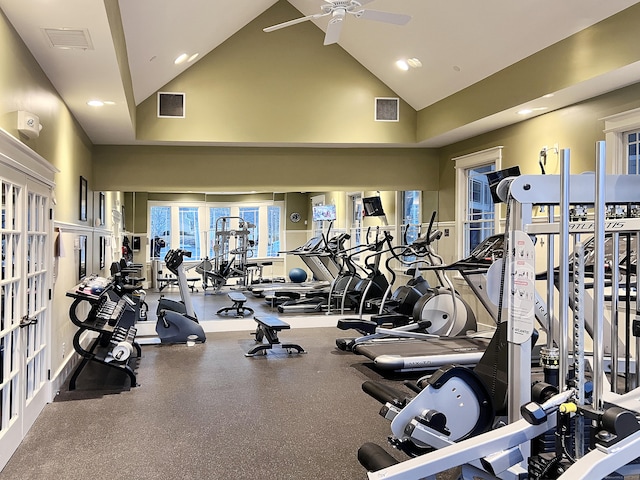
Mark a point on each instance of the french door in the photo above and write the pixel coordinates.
(25, 229)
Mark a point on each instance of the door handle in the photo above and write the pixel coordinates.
(26, 321)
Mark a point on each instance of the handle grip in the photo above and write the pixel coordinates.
(384, 394)
(373, 457)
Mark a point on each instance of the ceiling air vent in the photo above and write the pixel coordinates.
(170, 105)
(68, 38)
(387, 109)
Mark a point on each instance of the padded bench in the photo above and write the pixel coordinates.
(268, 328)
(238, 307)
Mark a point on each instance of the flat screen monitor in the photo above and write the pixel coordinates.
(494, 179)
(372, 207)
(324, 213)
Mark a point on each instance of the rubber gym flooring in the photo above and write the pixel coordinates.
(209, 412)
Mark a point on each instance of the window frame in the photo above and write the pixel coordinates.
(204, 221)
(636, 142)
(615, 127)
(490, 156)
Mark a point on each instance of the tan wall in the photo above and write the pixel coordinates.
(224, 169)
(297, 203)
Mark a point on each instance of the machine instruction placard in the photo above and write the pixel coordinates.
(521, 295)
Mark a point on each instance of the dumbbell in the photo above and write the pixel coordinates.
(122, 351)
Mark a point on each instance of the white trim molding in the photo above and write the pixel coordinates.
(17, 155)
(614, 128)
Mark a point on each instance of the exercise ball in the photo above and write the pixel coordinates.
(297, 275)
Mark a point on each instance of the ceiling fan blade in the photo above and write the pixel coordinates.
(333, 30)
(364, 2)
(292, 22)
(386, 17)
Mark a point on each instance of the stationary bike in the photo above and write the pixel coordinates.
(177, 320)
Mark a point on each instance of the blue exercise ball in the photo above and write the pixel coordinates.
(297, 275)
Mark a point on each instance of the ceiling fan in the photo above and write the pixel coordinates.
(338, 9)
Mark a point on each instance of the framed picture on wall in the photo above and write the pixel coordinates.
(103, 251)
(83, 199)
(82, 256)
(101, 209)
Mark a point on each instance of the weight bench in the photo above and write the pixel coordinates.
(238, 300)
(268, 327)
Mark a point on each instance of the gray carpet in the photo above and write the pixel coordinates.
(209, 412)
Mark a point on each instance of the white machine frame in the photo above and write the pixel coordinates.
(503, 452)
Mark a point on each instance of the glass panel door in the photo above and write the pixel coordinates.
(24, 303)
(11, 387)
(35, 324)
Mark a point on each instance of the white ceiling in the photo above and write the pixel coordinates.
(459, 42)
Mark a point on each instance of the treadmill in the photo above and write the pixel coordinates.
(410, 354)
(397, 354)
(319, 254)
(310, 253)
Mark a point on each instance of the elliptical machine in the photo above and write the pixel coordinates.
(416, 309)
(177, 320)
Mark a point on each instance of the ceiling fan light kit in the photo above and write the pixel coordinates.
(338, 10)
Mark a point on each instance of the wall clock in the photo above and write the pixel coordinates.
(295, 217)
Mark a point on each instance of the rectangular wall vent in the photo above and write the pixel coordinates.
(68, 38)
(171, 105)
(387, 109)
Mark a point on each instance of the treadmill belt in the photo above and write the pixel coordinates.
(413, 354)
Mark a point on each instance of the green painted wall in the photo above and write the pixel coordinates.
(284, 86)
(155, 168)
(298, 203)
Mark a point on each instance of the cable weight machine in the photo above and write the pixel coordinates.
(232, 246)
(578, 398)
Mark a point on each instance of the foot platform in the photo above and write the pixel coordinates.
(238, 307)
(268, 328)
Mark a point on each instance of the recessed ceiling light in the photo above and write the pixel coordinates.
(109, 102)
(402, 65)
(548, 95)
(414, 63)
(193, 57)
(95, 103)
(181, 58)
